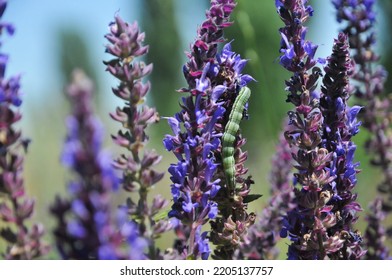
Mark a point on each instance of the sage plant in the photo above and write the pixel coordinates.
(369, 77)
(199, 190)
(321, 226)
(24, 241)
(306, 126)
(87, 227)
(137, 164)
(229, 229)
(375, 234)
(340, 125)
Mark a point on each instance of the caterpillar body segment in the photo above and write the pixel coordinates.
(228, 140)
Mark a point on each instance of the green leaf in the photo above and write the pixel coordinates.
(252, 197)
(161, 215)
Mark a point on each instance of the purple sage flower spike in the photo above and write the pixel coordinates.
(16, 208)
(137, 164)
(200, 191)
(87, 228)
(305, 122)
(320, 227)
(340, 125)
(359, 19)
(375, 234)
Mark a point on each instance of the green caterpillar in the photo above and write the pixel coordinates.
(228, 139)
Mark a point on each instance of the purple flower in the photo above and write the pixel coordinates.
(358, 19)
(22, 241)
(322, 125)
(136, 163)
(86, 226)
(199, 192)
(193, 193)
(297, 53)
(375, 234)
(203, 244)
(359, 13)
(342, 126)
(233, 61)
(204, 49)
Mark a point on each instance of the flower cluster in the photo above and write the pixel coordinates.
(23, 242)
(198, 189)
(306, 121)
(138, 175)
(359, 19)
(375, 234)
(86, 227)
(320, 227)
(340, 125)
(205, 47)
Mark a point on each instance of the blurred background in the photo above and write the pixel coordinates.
(53, 37)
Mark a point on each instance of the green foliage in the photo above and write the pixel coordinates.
(159, 23)
(74, 53)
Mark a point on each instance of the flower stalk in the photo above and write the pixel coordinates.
(199, 188)
(320, 227)
(137, 164)
(359, 20)
(87, 227)
(16, 208)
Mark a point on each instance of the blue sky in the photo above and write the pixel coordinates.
(33, 48)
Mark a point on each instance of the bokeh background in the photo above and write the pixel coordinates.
(54, 37)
